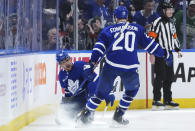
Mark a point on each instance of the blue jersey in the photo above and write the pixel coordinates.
(123, 52)
(139, 18)
(71, 80)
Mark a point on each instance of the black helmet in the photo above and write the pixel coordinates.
(166, 5)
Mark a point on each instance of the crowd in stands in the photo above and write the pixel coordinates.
(94, 15)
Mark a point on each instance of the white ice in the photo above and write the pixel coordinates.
(140, 120)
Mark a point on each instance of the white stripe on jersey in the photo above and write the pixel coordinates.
(149, 44)
(95, 78)
(120, 65)
(98, 50)
(99, 43)
(154, 48)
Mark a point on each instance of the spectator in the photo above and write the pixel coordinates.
(65, 12)
(146, 16)
(68, 35)
(179, 4)
(138, 4)
(190, 25)
(50, 44)
(82, 35)
(130, 7)
(94, 30)
(95, 8)
(49, 21)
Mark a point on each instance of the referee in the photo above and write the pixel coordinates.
(164, 32)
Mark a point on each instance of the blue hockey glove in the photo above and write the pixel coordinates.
(88, 70)
(169, 61)
(110, 99)
(168, 58)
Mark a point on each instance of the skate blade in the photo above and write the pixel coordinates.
(158, 108)
(115, 124)
(79, 124)
(171, 108)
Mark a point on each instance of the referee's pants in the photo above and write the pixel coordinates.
(163, 78)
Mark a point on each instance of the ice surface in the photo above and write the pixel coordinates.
(140, 120)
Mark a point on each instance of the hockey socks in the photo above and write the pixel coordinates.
(125, 103)
(93, 103)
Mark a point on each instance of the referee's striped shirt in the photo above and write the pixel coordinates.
(164, 33)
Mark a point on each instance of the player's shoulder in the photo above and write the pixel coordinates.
(62, 73)
(135, 25)
(107, 28)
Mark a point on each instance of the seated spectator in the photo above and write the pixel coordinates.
(50, 44)
(146, 16)
(190, 25)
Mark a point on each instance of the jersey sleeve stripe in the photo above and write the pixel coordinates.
(95, 78)
(99, 43)
(154, 48)
(149, 45)
(98, 50)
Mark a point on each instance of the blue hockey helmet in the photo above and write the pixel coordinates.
(61, 55)
(121, 12)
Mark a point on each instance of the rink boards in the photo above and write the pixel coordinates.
(29, 85)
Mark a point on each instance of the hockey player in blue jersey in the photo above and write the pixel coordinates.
(71, 76)
(120, 42)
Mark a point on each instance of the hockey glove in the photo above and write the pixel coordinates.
(88, 70)
(67, 97)
(66, 100)
(168, 58)
(110, 99)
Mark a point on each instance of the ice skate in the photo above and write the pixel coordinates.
(118, 119)
(85, 117)
(157, 106)
(171, 105)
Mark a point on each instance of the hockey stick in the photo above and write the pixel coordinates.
(101, 58)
